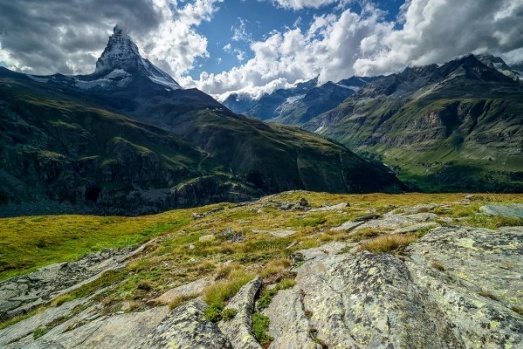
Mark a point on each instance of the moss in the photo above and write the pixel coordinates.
(39, 332)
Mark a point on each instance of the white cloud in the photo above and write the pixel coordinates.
(240, 31)
(76, 31)
(336, 46)
(301, 4)
(175, 44)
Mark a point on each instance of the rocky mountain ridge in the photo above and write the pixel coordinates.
(449, 127)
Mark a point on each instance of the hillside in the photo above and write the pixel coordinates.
(453, 127)
(449, 128)
(128, 139)
(292, 270)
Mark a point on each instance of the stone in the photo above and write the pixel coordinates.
(186, 328)
(281, 233)
(192, 288)
(364, 300)
(348, 226)
(22, 294)
(416, 227)
(238, 330)
(511, 211)
(206, 237)
(337, 207)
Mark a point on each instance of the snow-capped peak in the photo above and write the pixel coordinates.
(122, 54)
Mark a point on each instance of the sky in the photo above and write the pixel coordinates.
(256, 46)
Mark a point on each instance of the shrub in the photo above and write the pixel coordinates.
(39, 332)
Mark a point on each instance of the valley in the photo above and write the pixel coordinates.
(451, 128)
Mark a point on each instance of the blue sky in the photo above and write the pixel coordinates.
(255, 20)
(255, 46)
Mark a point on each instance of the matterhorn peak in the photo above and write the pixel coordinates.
(121, 53)
(121, 58)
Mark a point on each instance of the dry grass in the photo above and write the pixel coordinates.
(387, 243)
(179, 300)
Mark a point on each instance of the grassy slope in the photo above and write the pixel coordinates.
(27, 243)
(477, 146)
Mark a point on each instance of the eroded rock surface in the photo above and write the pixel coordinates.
(238, 329)
(21, 294)
(456, 288)
(186, 328)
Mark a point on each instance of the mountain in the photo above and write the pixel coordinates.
(128, 139)
(454, 127)
(296, 105)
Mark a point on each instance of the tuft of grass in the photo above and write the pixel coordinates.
(364, 234)
(387, 243)
(438, 266)
(179, 300)
(229, 314)
(39, 332)
(260, 329)
(224, 289)
(268, 294)
(214, 312)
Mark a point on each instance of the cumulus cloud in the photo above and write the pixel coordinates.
(46, 37)
(336, 46)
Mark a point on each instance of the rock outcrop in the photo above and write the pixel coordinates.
(457, 287)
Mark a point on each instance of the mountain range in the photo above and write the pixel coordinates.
(450, 127)
(129, 139)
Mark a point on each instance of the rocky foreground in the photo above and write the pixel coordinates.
(455, 287)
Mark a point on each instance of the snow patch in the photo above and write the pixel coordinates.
(353, 88)
(38, 79)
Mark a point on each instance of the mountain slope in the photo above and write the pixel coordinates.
(133, 145)
(454, 127)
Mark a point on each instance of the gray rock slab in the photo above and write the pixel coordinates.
(238, 330)
(191, 288)
(289, 325)
(337, 207)
(478, 282)
(280, 233)
(186, 328)
(26, 327)
(511, 210)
